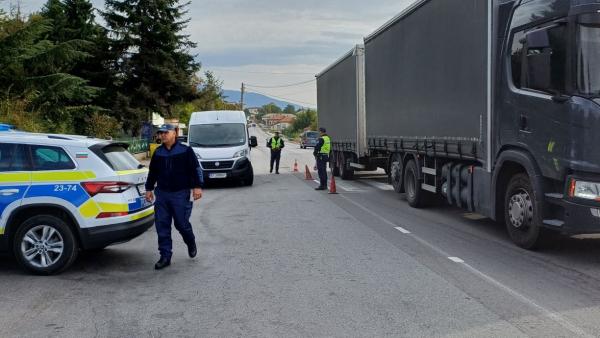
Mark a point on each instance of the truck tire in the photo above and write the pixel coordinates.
(334, 164)
(521, 214)
(416, 197)
(45, 245)
(346, 171)
(396, 179)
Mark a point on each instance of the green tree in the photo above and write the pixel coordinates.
(289, 109)
(270, 108)
(210, 97)
(35, 72)
(305, 119)
(157, 69)
(74, 20)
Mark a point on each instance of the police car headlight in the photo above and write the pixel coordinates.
(584, 190)
(241, 153)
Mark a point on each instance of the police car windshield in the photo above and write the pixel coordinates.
(119, 158)
(312, 134)
(217, 135)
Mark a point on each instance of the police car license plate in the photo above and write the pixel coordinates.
(146, 203)
(217, 175)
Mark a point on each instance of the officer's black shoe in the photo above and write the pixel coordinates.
(321, 188)
(277, 172)
(192, 251)
(162, 263)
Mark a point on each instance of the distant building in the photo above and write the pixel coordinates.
(284, 123)
(273, 119)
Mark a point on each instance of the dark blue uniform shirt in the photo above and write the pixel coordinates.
(175, 169)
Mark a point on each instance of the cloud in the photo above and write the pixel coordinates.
(275, 41)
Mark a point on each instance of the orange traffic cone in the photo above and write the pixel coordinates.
(308, 176)
(332, 186)
(296, 166)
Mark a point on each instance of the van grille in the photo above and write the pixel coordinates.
(212, 165)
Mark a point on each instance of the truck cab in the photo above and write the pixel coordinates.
(547, 110)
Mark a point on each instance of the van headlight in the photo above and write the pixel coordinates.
(241, 153)
(584, 190)
(198, 156)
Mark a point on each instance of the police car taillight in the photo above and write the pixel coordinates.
(95, 188)
(112, 214)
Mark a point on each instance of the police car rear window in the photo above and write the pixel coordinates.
(119, 158)
(50, 158)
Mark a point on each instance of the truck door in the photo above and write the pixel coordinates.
(15, 178)
(538, 108)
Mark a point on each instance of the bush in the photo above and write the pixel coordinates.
(102, 126)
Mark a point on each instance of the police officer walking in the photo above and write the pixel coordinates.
(276, 144)
(322, 151)
(175, 171)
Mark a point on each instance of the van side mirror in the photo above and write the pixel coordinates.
(253, 141)
(539, 61)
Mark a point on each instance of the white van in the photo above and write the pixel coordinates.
(222, 143)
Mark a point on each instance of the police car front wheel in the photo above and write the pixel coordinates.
(45, 245)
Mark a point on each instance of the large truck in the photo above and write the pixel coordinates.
(492, 105)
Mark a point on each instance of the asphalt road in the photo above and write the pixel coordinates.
(281, 260)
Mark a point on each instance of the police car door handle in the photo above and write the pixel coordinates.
(8, 192)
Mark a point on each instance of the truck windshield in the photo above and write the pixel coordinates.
(217, 135)
(588, 60)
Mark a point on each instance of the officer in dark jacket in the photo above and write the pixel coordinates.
(322, 152)
(175, 171)
(276, 144)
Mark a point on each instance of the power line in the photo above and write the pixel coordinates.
(258, 72)
(283, 98)
(285, 85)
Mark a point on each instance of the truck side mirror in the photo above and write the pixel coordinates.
(253, 141)
(539, 61)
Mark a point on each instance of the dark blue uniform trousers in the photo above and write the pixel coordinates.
(322, 169)
(173, 207)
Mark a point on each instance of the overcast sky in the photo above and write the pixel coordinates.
(274, 42)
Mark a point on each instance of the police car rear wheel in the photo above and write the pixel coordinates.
(45, 245)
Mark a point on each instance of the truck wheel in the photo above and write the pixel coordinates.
(396, 174)
(346, 171)
(45, 245)
(416, 197)
(521, 213)
(334, 164)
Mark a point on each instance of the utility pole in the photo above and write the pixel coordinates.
(242, 97)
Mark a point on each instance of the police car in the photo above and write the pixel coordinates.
(60, 194)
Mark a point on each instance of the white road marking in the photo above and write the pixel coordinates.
(456, 259)
(348, 187)
(555, 316)
(378, 185)
(402, 230)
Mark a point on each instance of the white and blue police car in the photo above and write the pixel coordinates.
(60, 194)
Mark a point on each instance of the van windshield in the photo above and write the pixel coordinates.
(217, 135)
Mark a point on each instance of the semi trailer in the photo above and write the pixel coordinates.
(491, 105)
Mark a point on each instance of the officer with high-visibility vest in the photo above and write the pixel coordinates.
(322, 151)
(276, 144)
